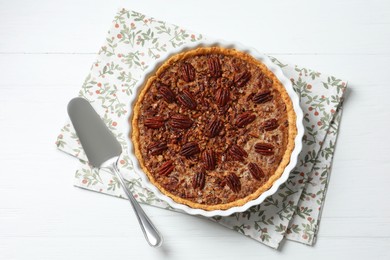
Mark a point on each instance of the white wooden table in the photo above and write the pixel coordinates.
(46, 49)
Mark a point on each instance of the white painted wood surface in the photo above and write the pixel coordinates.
(46, 49)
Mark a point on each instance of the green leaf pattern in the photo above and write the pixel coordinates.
(133, 42)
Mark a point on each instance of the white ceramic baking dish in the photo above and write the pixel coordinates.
(294, 155)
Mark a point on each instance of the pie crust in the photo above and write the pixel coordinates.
(189, 139)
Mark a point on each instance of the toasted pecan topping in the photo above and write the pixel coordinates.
(189, 149)
(157, 148)
(222, 96)
(166, 168)
(270, 124)
(223, 110)
(187, 100)
(245, 119)
(264, 149)
(180, 122)
(262, 97)
(214, 67)
(255, 171)
(237, 153)
(187, 72)
(171, 183)
(166, 93)
(233, 182)
(154, 122)
(214, 127)
(209, 159)
(241, 78)
(199, 180)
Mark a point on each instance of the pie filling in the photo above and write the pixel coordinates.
(213, 128)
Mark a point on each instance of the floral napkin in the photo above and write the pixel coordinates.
(136, 40)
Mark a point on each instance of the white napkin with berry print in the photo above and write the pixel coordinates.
(135, 40)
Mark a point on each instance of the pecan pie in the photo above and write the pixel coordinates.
(213, 128)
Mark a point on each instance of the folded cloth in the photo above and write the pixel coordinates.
(136, 40)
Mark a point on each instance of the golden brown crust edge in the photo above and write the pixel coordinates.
(292, 130)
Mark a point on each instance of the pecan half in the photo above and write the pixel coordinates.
(166, 168)
(157, 148)
(264, 149)
(233, 182)
(262, 97)
(237, 153)
(245, 119)
(199, 180)
(187, 99)
(270, 125)
(256, 171)
(166, 93)
(187, 72)
(189, 149)
(180, 122)
(214, 127)
(209, 158)
(222, 96)
(241, 78)
(154, 122)
(214, 67)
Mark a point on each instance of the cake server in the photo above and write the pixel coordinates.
(103, 151)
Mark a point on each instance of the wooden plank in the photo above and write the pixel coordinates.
(186, 247)
(300, 26)
(83, 213)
